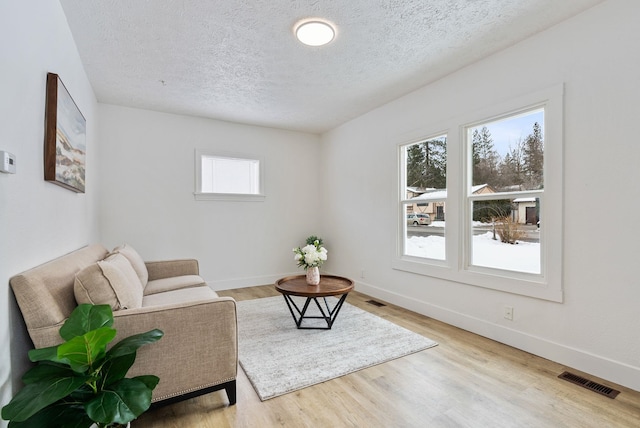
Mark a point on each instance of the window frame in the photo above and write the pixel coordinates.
(457, 267)
(404, 202)
(199, 195)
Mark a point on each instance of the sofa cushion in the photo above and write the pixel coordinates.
(175, 283)
(176, 297)
(112, 281)
(135, 260)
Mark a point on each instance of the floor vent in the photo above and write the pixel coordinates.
(375, 303)
(586, 383)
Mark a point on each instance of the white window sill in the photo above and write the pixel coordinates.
(534, 286)
(228, 197)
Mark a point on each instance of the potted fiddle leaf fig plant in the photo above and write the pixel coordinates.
(79, 383)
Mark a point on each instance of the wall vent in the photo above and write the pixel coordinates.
(375, 303)
(586, 383)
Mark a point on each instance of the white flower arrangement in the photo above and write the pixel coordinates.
(311, 255)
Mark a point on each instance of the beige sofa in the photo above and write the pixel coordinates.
(198, 352)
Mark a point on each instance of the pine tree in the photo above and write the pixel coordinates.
(427, 163)
(436, 160)
(511, 167)
(415, 166)
(485, 158)
(533, 159)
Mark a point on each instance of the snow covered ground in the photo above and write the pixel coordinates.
(520, 257)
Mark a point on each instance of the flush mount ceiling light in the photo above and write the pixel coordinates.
(314, 32)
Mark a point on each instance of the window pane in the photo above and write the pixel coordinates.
(426, 167)
(230, 175)
(508, 154)
(424, 236)
(426, 184)
(506, 234)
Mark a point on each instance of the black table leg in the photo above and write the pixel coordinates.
(326, 313)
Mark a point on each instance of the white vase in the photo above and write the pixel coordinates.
(313, 275)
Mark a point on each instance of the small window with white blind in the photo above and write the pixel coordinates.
(228, 177)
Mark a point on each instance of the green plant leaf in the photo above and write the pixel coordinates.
(116, 368)
(312, 239)
(85, 318)
(82, 394)
(82, 352)
(121, 403)
(150, 380)
(38, 395)
(60, 414)
(44, 354)
(132, 343)
(46, 371)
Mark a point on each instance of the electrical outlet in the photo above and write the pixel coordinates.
(508, 313)
(362, 274)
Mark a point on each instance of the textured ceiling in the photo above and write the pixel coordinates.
(238, 60)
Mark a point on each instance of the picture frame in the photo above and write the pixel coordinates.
(64, 138)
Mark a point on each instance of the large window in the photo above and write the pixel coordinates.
(228, 177)
(491, 190)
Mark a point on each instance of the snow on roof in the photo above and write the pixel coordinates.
(524, 200)
(439, 194)
(420, 189)
(435, 195)
(477, 187)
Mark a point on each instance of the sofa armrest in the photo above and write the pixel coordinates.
(199, 348)
(171, 268)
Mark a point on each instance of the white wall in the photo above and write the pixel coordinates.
(147, 159)
(596, 329)
(144, 196)
(38, 220)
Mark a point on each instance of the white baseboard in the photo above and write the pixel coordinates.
(599, 366)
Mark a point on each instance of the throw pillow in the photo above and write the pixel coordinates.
(112, 281)
(135, 260)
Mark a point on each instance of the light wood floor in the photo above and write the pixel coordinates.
(465, 381)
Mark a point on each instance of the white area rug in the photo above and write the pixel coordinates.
(278, 358)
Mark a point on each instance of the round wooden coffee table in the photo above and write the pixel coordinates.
(330, 285)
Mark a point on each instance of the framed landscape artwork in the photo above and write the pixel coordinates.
(64, 138)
